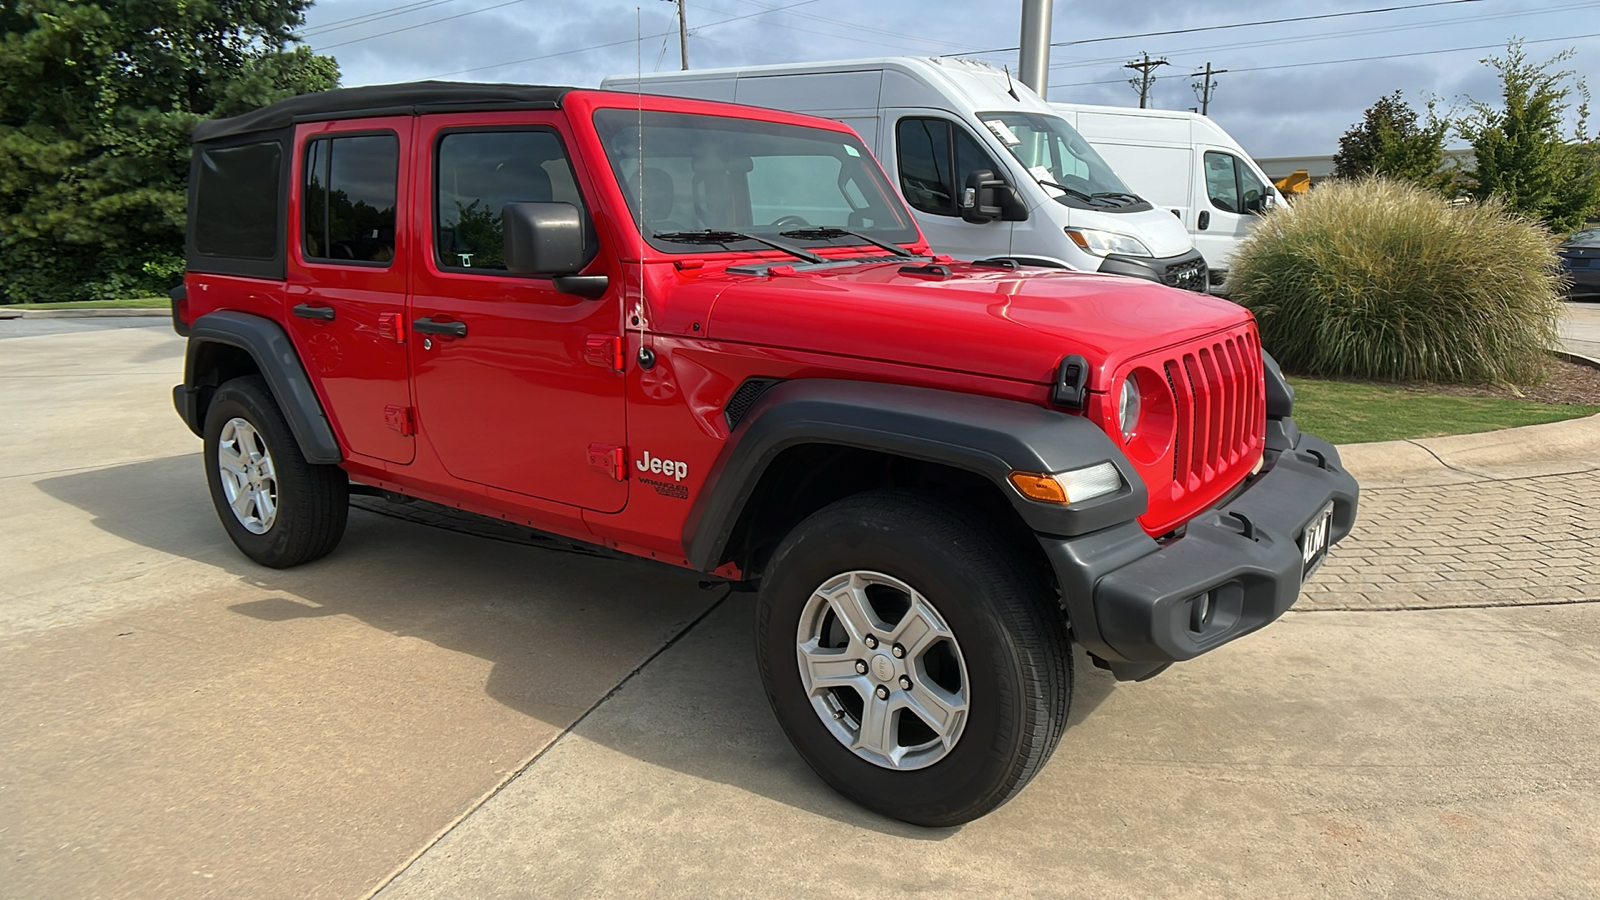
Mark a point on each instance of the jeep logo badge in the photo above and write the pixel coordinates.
(678, 470)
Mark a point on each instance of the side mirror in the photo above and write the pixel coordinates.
(978, 202)
(542, 238)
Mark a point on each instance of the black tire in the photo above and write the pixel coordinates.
(313, 502)
(1010, 630)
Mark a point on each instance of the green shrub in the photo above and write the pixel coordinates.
(1383, 280)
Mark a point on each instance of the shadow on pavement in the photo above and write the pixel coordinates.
(538, 616)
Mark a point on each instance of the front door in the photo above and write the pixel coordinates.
(1232, 191)
(347, 288)
(516, 397)
(933, 156)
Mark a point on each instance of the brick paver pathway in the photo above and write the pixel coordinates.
(1488, 543)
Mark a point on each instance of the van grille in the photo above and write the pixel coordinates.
(1220, 403)
(1189, 276)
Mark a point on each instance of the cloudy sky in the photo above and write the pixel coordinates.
(1292, 88)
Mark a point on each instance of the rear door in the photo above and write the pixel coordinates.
(522, 390)
(348, 277)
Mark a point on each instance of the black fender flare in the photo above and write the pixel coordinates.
(274, 354)
(986, 435)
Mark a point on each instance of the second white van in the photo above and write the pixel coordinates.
(989, 168)
(1187, 164)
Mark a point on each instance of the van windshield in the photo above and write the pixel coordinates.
(684, 174)
(1058, 157)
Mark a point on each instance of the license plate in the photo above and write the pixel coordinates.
(1314, 543)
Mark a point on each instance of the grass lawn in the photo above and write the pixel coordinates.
(129, 303)
(1348, 412)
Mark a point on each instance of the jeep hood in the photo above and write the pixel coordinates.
(999, 323)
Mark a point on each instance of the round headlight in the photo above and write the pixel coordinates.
(1128, 409)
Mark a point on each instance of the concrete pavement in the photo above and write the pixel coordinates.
(182, 723)
(1580, 329)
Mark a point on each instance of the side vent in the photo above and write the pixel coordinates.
(746, 397)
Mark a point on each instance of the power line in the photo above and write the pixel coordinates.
(470, 12)
(1330, 62)
(835, 20)
(631, 40)
(364, 18)
(1303, 39)
(1147, 34)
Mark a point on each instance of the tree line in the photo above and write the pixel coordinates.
(1522, 154)
(97, 101)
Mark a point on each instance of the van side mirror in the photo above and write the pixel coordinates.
(978, 202)
(542, 238)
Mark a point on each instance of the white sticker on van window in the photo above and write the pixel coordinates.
(1003, 132)
(851, 150)
(1041, 174)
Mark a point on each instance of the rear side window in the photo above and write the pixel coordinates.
(347, 200)
(477, 174)
(934, 158)
(236, 200)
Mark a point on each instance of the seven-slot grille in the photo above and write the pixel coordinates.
(1221, 409)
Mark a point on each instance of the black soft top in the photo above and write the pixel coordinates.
(384, 99)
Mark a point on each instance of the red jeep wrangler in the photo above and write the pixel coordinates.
(712, 336)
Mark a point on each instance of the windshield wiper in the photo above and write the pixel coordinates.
(1131, 198)
(710, 236)
(1071, 192)
(823, 233)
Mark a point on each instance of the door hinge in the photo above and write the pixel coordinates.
(401, 419)
(392, 326)
(604, 350)
(609, 459)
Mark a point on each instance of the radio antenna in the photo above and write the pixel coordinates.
(638, 94)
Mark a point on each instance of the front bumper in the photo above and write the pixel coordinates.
(1585, 282)
(1133, 602)
(1187, 271)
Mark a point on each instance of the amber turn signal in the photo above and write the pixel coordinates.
(1043, 488)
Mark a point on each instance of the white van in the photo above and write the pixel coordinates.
(1048, 199)
(1182, 162)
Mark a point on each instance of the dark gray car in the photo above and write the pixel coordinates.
(1580, 257)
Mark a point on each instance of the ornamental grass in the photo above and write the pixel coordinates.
(1383, 280)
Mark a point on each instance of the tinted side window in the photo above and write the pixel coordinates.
(926, 161)
(923, 152)
(476, 174)
(1221, 185)
(236, 203)
(348, 198)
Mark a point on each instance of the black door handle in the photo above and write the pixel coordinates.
(429, 326)
(1205, 219)
(307, 311)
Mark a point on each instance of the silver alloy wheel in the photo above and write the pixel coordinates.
(882, 670)
(248, 479)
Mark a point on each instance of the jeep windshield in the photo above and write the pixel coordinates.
(743, 184)
(1063, 163)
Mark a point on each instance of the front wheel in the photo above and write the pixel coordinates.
(913, 659)
(278, 508)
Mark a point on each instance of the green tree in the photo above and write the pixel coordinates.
(1393, 141)
(1522, 156)
(97, 100)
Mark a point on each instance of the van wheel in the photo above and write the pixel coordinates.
(915, 662)
(279, 509)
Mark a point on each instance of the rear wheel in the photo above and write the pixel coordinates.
(279, 509)
(914, 661)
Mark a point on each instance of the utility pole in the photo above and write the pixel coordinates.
(1145, 79)
(683, 36)
(1033, 66)
(1205, 86)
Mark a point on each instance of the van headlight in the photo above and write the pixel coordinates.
(1105, 243)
